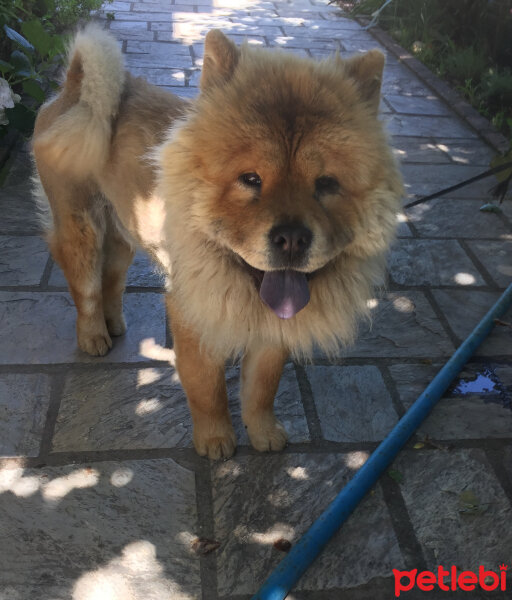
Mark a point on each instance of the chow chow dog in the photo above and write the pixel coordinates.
(269, 202)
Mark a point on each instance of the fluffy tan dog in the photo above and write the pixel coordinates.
(270, 202)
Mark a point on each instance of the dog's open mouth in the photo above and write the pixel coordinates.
(285, 292)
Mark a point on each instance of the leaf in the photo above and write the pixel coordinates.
(16, 37)
(21, 118)
(419, 445)
(36, 34)
(5, 67)
(203, 546)
(33, 89)
(47, 6)
(20, 61)
(58, 46)
(25, 73)
(396, 475)
(490, 207)
(283, 545)
(469, 503)
(499, 160)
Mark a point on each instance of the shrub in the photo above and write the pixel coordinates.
(465, 63)
(30, 71)
(31, 53)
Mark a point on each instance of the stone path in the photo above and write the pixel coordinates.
(101, 493)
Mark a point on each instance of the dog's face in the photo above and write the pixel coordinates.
(292, 154)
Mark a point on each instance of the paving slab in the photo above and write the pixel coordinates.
(182, 92)
(21, 167)
(143, 16)
(403, 324)
(457, 507)
(397, 81)
(105, 526)
(327, 48)
(131, 30)
(464, 309)
(258, 500)
(420, 150)
(31, 319)
(352, 403)
(18, 210)
(419, 125)
(433, 263)
(160, 76)
(22, 260)
(426, 179)
(480, 415)
(496, 257)
(124, 409)
(142, 273)
(467, 152)
(429, 105)
(328, 32)
(508, 461)
(124, 527)
(24, 401)
(458, 218)
(147, 408)
(160, 55)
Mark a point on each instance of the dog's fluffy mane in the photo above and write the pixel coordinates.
(230, 317)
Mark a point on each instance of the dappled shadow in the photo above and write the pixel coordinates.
(123, 529)
(100, 532)
(259, 502)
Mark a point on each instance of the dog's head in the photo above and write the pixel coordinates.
(292, 164)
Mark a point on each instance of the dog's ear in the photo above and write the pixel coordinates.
(367, 70)
(220, 59)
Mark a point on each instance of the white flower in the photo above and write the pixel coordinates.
(7, 100)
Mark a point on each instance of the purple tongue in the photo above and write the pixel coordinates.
(285, 292)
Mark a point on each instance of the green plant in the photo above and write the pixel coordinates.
(30, 53)
(497, 88)
(29, 72)
(464, 64)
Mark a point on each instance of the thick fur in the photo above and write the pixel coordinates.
(80, 137)
(124, 163)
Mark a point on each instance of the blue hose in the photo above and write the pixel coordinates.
(304, 552)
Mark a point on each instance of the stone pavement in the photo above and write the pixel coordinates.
(101, 493)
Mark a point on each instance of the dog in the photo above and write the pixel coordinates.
(270, 203)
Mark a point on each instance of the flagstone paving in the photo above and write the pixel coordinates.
(101, 492)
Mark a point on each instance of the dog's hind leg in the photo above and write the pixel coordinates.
(76, 242)
(118, 254)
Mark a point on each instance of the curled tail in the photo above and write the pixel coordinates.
(73, 131)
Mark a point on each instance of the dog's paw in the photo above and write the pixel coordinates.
(267, 434)
(216, 445)
(116, 325)
(95, 344)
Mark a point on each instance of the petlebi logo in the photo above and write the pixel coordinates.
(450, 580)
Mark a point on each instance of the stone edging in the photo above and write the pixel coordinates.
(463, 109)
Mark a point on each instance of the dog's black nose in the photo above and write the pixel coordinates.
(289, 243)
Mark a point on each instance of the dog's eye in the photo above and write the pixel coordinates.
(251, 180)
(326, 185)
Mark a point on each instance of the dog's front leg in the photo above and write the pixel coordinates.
(262, 367)
(203, 378)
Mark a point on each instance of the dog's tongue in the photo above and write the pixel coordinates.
(285, 292)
